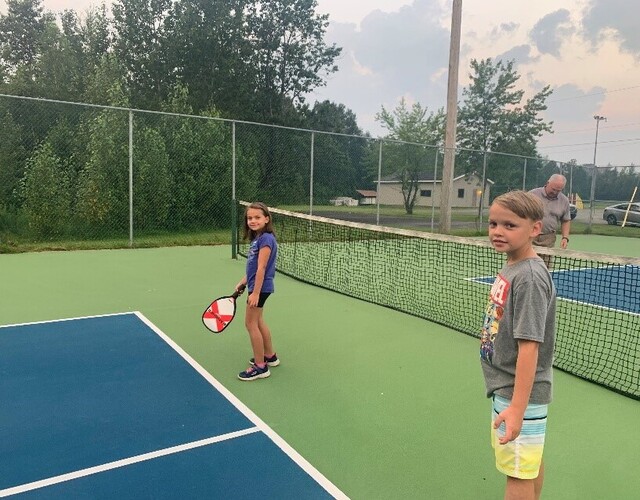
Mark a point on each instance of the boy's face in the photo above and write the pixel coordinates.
(510, 233)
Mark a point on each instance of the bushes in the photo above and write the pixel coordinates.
(46, 193)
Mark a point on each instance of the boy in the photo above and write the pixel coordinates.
(517, 343)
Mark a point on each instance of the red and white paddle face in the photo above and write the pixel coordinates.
(219, 314)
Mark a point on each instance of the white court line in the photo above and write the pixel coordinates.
(260, 425)
(121, 463)
(67, 319)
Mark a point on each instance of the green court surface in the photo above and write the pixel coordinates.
(384, 404)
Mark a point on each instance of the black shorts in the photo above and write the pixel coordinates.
(263, 298)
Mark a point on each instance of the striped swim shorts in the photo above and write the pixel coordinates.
(520, 458)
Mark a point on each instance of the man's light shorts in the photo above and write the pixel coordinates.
(520, 458)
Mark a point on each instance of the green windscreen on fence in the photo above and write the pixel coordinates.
(447, 280)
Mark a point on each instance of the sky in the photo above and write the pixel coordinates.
(587, 51)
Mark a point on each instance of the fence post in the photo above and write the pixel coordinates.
(433, 192)
(234, 205)
(592, 196)
(484, 183)
(130, 178)
(378, 188)
(524, 176)
(313, 138)
(571, 182)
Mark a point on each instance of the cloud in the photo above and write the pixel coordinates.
(569, 102)
(551, 31)
(390, 55)
(617, 18)
(521, 54)
(504, 29)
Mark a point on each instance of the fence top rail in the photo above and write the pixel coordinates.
(228, 120)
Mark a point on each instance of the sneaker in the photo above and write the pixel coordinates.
(254, 372)
(272, 361)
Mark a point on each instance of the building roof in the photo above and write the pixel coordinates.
(428, 177)
(367, 193)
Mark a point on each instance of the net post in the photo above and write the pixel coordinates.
(130, 178)
(234, 229)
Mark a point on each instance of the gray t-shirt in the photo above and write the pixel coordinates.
(556, 210)
(522, 305)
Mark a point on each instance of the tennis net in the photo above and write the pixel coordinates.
(446, 279)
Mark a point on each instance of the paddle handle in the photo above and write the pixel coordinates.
(238, 292)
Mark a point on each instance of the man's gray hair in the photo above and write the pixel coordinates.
(558, 177)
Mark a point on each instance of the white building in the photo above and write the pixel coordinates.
(467, 190)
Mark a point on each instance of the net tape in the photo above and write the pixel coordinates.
(446, 279)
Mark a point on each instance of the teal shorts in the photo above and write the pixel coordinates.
(522, 457)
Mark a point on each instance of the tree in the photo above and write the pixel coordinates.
(59, 72)
(417, 128)
(21, 31)
(103, 194)
(211, 53)
(141, 45)
(200, 161)
(96, 36)
(151, 182)
(12, 156)
(338, 159)
(47, 194)
(288, 54)
(493, 118)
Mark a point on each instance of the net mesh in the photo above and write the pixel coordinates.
(446, 279)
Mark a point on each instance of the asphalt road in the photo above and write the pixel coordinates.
(424, 223)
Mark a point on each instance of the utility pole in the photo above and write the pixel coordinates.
(452, 117)
(598, 119)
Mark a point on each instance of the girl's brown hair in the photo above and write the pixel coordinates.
(251, 235)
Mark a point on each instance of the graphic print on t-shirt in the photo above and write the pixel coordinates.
(493, 315)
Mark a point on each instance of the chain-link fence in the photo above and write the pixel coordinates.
(117, 176)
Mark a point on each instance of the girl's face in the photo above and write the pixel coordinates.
(510, 233)
(256, 220)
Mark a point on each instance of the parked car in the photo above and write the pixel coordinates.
(573, 210)
(614, 214)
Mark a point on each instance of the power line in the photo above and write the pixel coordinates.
(588, 143)
(594, 94)
(591, 129)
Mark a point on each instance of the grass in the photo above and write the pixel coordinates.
(18, 244)
(464, 221)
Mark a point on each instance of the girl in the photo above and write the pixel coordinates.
(261, 270)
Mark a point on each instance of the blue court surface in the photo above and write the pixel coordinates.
(110, 407)
(616, 288)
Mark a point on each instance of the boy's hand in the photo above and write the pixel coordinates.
(512, 419)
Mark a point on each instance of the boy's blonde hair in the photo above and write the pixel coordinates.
(523, 204)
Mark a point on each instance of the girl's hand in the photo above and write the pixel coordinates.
(253, 299)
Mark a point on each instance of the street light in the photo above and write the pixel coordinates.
(598, 119)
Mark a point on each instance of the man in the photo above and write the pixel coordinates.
(556, 212)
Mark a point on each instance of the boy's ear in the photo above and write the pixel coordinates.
(537, 228)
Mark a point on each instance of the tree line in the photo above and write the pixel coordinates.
(64, 169)
(238, 59)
